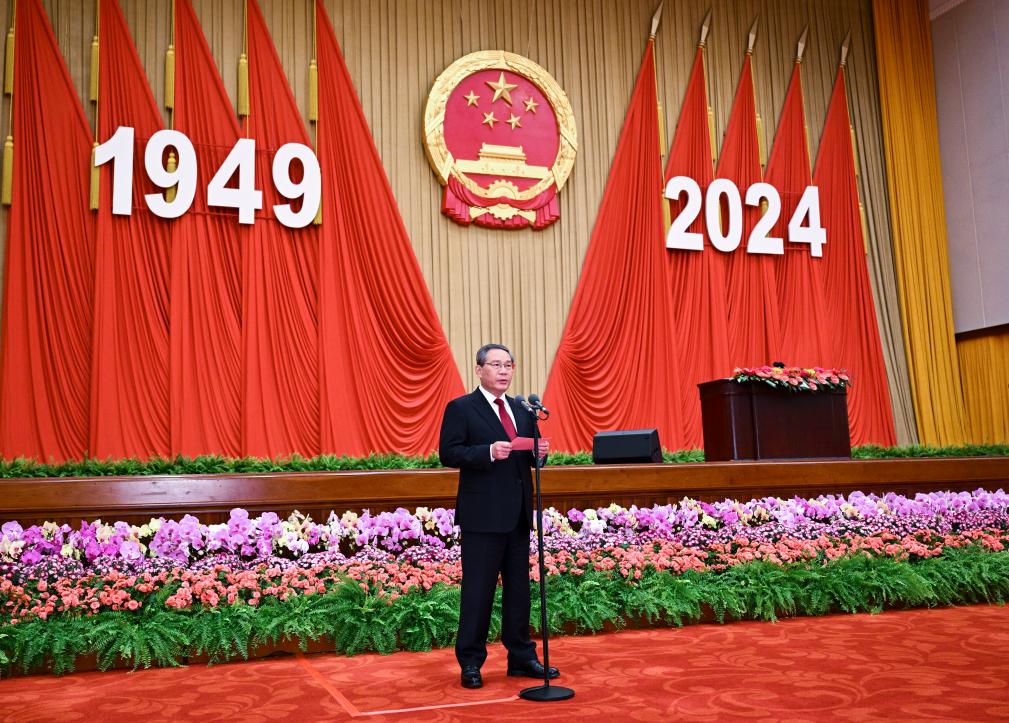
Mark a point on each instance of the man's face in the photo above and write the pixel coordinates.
(496, 373)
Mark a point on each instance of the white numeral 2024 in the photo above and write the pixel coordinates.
(242, 158)
(804, 226)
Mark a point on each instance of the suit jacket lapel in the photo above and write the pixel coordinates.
(484, 410)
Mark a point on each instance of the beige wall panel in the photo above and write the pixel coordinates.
(517, 286)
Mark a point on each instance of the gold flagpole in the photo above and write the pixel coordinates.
(313, 93)
(170, 69)
(93, 196)
(761, 143)
(243, 65)
(703, 45)
(799, 52)
(7, 187)
(313, 71)
(854, 147)
(666, 220)
(9, 54)
(172, 165)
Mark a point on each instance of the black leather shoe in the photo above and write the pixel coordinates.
(471, 677)
(531, 669)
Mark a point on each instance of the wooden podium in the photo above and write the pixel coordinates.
(753, 420)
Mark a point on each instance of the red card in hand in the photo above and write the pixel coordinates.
(525, 444)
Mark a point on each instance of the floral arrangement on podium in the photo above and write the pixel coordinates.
(175, 591)
(797, 379)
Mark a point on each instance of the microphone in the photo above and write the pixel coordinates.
(535, 403)
(524, 404)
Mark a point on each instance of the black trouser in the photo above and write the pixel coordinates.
(484, 555)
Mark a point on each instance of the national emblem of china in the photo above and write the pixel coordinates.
(500, 135)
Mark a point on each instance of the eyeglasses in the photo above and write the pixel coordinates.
(498, 366)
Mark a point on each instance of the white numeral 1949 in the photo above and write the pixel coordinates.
(246, 198)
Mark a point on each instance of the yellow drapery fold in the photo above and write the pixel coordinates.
(983, 361)
(917, 216)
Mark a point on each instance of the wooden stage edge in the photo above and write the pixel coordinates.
(211, 497)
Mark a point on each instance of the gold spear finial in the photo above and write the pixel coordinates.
(655, 19)
(704, 29)
(802, 45)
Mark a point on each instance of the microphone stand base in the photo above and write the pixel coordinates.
(547, 693)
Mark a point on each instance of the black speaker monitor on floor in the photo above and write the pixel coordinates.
(627, 446)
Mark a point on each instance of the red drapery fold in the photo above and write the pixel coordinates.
(129, 369)
(386, 367)
(46, 342)
(616, 366)
(752, 301)
(280, 277)
(206, 289)
(800, 284)
(697, 279)
(851, 315)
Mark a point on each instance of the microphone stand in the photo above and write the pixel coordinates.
(545, 693)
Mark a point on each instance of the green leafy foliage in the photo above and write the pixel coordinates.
(214, 464)
(567, 459)
(584, 603)
(427, 620)
(663, 598)
(872, 451)
(359, 620)
(221, 634)
(53, 644)
(158, 638)
(683, 455)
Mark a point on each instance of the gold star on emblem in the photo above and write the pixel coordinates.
(489, 119)
(531, 105)
(514, 121)
(471, 99)
(501, 89)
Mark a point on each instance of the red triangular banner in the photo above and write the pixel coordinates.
(280, 277)
(854, 339)
(697, 278)
(129, 372)
(616, 367)
(45, 345)
(386, 365)
(752, 301)
(804, 324)
(206, 289)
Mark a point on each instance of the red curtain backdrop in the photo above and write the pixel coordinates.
(280, 277)
(617, 366)
(804, 323)
(46, 342)
(206, 288)
(386, 368)
(697, 279)
(753, 303)
(851, 313)
(201, 335)
(129, 358)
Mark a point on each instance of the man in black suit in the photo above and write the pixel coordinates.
(494, 511)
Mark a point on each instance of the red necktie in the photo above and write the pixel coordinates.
(506, 421)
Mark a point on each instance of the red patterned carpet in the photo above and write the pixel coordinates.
(949, 664)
